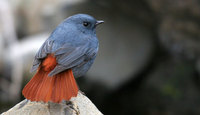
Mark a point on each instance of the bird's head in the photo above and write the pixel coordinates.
(85, 23)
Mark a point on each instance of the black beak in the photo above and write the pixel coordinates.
(99, 22)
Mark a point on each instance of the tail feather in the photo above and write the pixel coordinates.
(49, 91)
(32, 87)
(59, 87)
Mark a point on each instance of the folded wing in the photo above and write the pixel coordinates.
(67, 56)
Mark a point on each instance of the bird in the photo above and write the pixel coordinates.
(67, 53)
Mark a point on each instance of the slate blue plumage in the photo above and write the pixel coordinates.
(74, 44)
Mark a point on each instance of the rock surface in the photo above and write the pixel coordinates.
(79, 105)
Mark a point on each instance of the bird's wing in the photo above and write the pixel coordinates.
(45, 49)
(69, 56)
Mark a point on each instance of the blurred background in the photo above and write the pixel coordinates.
(148, 61)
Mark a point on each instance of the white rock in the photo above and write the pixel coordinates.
(79, 105)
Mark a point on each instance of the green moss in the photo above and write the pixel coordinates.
(171, 91)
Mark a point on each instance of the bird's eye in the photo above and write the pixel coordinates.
(85, 24)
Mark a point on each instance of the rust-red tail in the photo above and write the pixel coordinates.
(56, 88)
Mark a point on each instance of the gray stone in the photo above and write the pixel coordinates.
(79, 105)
